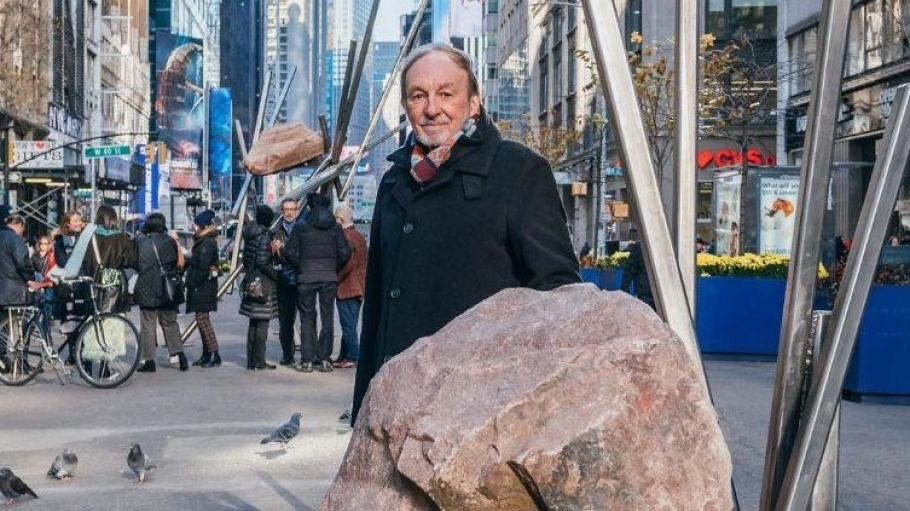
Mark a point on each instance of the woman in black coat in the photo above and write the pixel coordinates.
(202, 285)
(157, 252)
(257, 263)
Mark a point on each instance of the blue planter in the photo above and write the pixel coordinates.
(609, 279)
(739, 315)
(881, 358)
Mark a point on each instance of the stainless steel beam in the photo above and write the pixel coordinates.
(824, 493)
(810, 212)
(686, 178)
(616, 80)
(852, 296)
(282, 96)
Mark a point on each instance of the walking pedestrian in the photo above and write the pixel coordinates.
(158, 253)
(461, 215)
(319, 250)
(287, 282)
(351, 283)
(202, 285)
(257, 264)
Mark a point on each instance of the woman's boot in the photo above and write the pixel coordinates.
(183, 363)
(147, 367)
(205, 358)
(215, 361)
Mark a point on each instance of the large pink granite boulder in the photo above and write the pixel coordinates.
(584, 393)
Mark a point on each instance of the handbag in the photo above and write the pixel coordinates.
(111, 292)
(171, 283)
(253, 290)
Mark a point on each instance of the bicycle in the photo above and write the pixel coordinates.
(106, 345)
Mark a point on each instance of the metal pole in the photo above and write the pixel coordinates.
(824, 494)
(616, 80)
(686, 125)
(5, 162)
(377, 113)
(817, 417)
(813, 195)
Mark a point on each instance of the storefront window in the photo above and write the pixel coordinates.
(716, 22)
(873, 34)
(893, 35)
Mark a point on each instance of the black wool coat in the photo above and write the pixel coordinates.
(201, 287)
(15, 268)
(258, 262)
(492, 219)
(149, 292)
(317, 247)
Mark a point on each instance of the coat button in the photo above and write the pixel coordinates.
(408, 228)
(395, 293)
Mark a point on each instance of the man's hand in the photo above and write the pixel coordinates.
(276, 246)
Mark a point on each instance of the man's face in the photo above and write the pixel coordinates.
(437, 100)
(289, 211)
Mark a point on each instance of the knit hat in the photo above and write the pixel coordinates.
(5, 210)
(264, 215)
(205, 219)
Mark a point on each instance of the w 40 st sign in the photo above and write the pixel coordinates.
(104, 151)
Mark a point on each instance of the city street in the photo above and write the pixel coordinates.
(202, 428)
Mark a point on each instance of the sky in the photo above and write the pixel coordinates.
(387, 19)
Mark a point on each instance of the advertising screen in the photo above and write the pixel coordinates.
(179, 106)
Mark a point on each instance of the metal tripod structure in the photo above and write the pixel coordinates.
(800, 426)
(798, 431)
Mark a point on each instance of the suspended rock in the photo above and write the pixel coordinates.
(573, 399)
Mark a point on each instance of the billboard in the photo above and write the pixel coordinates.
(220, 142)
(728, 201)
(34, 154)
(457, 19)
(179, 106)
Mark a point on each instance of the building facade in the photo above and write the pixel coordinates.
(877, 61)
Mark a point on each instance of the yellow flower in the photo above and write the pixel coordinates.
(707, 40)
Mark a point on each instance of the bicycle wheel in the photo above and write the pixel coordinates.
(21, 359)
(107, 350)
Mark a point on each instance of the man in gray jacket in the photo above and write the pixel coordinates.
(318, 249)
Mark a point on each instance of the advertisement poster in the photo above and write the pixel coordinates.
(457, 19)
(728, 197)
(220, 143)
(778, 200)
(179, 106)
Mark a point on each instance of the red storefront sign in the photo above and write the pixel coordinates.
(726, 157)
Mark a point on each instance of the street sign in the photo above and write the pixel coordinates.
(22, 155)
(103, 151)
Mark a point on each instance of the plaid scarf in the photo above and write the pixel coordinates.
(425, 164)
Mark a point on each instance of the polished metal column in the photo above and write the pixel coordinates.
(840, 338)
(616, 80)
(686, 178)
(804, 258)
(824, 493)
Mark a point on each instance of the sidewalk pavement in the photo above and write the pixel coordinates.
(202, 428)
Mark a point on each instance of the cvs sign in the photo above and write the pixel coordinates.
(726, 157)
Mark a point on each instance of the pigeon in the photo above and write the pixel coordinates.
(139, 463)
(64, 465)
(12, 487)
(285, 433)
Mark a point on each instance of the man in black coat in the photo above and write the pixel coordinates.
(461, 215)
(15, 269)
(635, 275)
(318, 249)
(287, 281)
